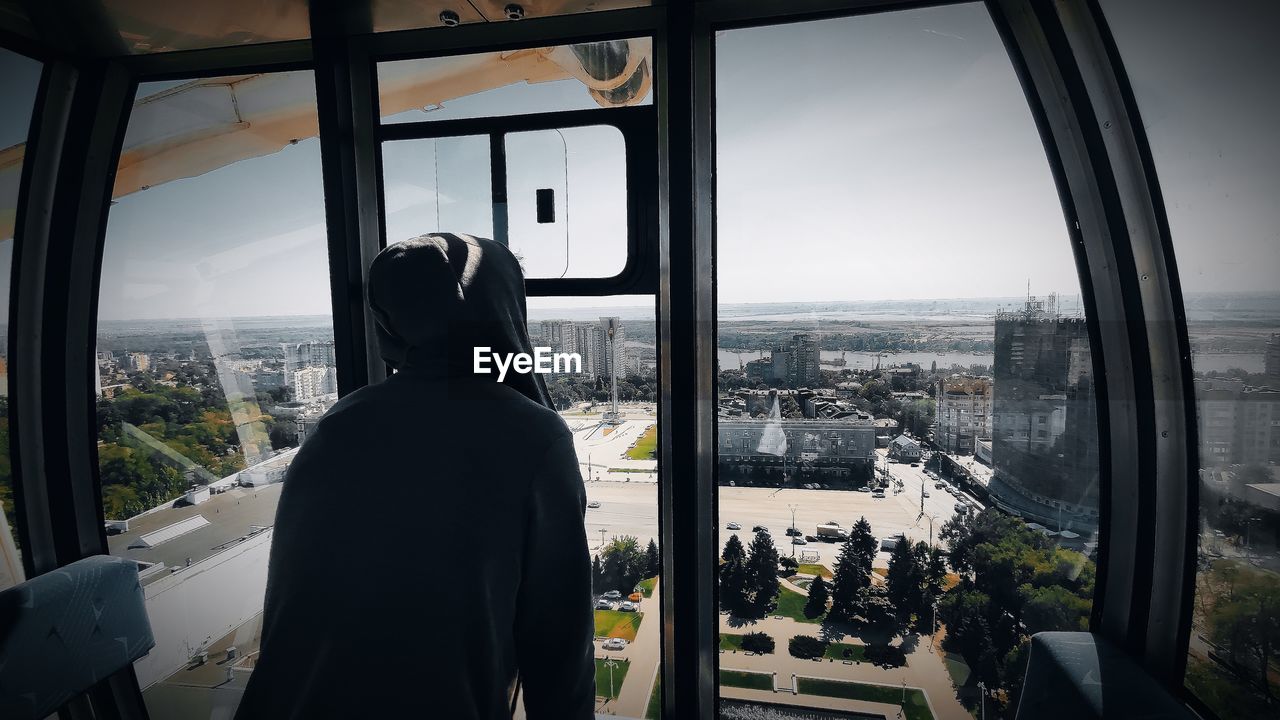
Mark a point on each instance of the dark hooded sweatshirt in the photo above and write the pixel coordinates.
(429, 542)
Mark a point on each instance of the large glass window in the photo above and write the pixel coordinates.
(1202, 75)
(611, 406)
(908, 448)
(215, 359)
(19, 80)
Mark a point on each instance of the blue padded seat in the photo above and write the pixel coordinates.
(1079, 675)
(64, 631)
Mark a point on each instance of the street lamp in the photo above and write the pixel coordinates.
(602, 531)
(982, 695)
(610, 663)
(934, 633)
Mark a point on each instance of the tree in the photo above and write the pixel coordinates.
(733, 576)
(597, 573)
(762, 571)
(789, 565)
(818, 596)
(806, 647)
(653, 560)
(623, 564)
(757, 642)
(904, 579)
(852, 570)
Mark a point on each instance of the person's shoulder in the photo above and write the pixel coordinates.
(541, 424)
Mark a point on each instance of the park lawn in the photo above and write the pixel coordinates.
(615, 623)
(646, 447)
(791, 604)
(748, 680)
(836, 650)
(916, 708)
(646, 586)
(631, 470)
(620, 669)
(654, 711)
(730, 641)
(813, 569)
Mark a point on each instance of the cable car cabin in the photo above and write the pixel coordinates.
(1028, 248)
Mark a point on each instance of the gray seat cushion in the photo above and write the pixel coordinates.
(1079, 675)
(62, 632)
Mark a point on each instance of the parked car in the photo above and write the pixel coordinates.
(925, 493)
(915, 464)
(627, 606)
(612, 595)
(759, 528)
(799, 541)
(615, 644)
(864, 489)
(878, 494)
(792, 532)
(961, 507)
(734, 526)
(593, 504)
(603, 604)
(939, 485)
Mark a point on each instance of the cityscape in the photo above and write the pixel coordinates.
(199, 423)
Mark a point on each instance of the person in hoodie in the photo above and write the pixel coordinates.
(429, 554)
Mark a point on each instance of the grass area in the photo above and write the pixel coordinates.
(615, 623)
(748, 680)
(836, 651)
(730, 641)
(814, 569)
(791, 604)
(916, 708)
(645, 471)
(646, 586)
(646, 447)
(620, 669)
(654, 710)
(957, 668)
(1223, 694)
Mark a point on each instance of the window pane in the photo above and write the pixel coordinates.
(215, 358)
(19, 81)
(617, 451)
(1202, 75)
(584, 168)
(904, 427)
(566, 196)
(437, 185)
(614, 73)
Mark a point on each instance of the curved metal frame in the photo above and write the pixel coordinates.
(1087, 117)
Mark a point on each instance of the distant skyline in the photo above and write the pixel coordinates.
(884, 157)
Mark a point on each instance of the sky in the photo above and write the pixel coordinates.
(888, 156)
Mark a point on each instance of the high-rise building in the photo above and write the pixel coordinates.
(797, 362)
(1273, 361)
(592, 343)
(1044, 417)
(964, 413)
(314, 353)
(138, 361)
(1237, 424)
(312, 383)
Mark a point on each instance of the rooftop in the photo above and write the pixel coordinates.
(172, 535)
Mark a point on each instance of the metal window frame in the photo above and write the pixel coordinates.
(636, 125)
(1073, 78)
